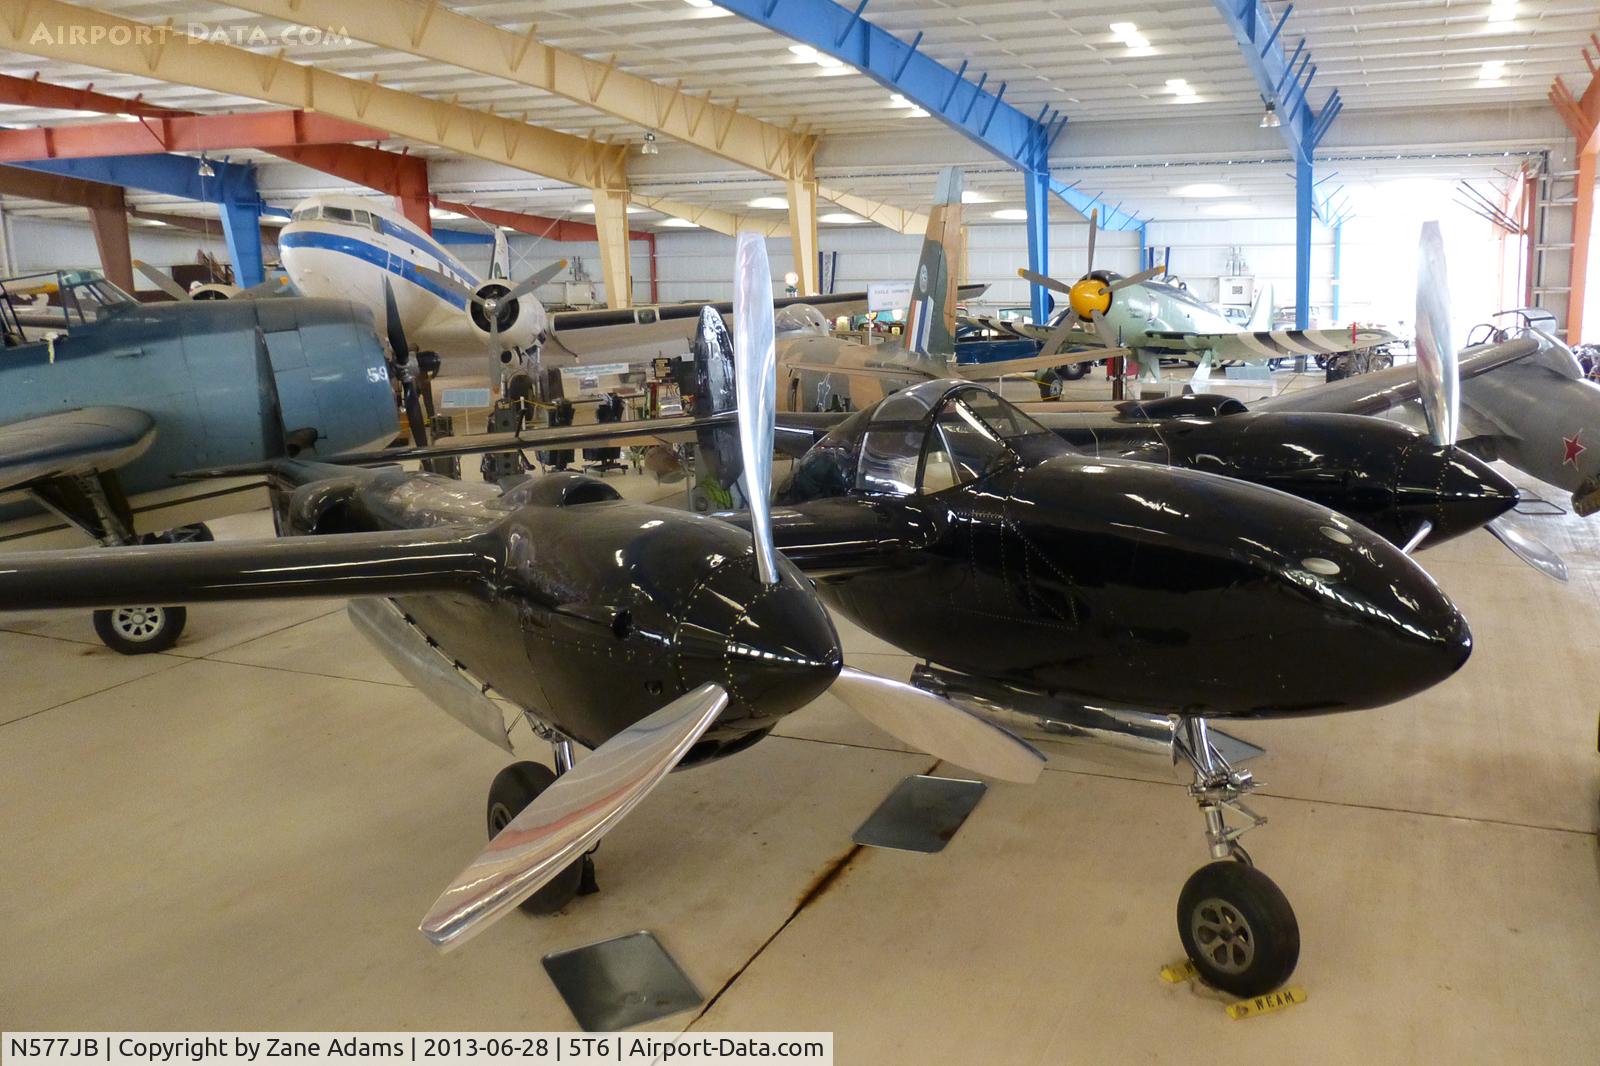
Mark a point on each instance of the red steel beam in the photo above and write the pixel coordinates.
(401, 176)
(181, 133)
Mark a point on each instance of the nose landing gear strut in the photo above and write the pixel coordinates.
(1235, 923)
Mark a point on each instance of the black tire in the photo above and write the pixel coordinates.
(513, 789)
(140, 630)
(1072, 371)
(1238, 928)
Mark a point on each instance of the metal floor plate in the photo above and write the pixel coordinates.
(619, 983)
(921, 814)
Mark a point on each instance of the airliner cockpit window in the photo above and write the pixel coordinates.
(306, 214)
(338, 214)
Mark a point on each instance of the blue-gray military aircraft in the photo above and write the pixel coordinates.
(103, 399)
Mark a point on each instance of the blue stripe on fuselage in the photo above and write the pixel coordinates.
(378, 257)
(389, 229)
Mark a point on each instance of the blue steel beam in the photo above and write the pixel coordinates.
(232, 187)
(1285, 81)
(983, 117)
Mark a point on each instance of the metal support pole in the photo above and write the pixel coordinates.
(1338, 247)
(241, 225)
(1303, 190)
(1036, 186)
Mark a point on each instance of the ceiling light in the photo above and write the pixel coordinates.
(840, 218)
(154, 222)
(1122, 29)
(770, 203)
(1492, 72)
(899, 100)
(129, 118)
(434, 212)
(1011, 214)
(1269, 117)
(649, 147)
(588, 209)
(205, 169)
(1177, 84)
(804, 51)
(829, 62)
(678, 223)
(1501, 11)
(698, 3)
(917, 112)
(1202, 189)
(973, 196)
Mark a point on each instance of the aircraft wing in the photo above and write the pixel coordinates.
(71, 443)
(988, 371)
(1277, 343)
(387, 563)
(636, 334)
(898, 371)
(1375, 393)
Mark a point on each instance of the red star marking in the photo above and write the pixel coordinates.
(1575, 448)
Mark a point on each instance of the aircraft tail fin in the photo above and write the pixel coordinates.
(1261, 311)
(931, 317)
(500, 267)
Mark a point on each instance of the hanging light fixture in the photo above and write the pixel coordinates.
(649, 146)
(205, 169)
(1269, 117)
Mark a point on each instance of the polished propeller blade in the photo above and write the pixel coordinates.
(756, 365)
(1439, 382)
(1060, 335)
(938, 726)
(1418, 537)
(160, 279)
(1530, 550)
(1039, 279)
(1438, 367)
(568, 817)
(533, 281)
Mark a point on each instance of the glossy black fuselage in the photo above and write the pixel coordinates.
(1109, 580)
(1386, 476)
(595, 612)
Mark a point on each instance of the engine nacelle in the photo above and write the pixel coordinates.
(522, 321)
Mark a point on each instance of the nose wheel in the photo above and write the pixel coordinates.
(1235, 923)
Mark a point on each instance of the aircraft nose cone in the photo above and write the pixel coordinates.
(1389, 631)
(1454, 490)
(1089, 295)
(773, 647)
(783, 652)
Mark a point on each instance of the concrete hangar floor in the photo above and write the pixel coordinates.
(243, 832)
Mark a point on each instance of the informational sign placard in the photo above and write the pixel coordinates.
(463, 399)
(888, 295)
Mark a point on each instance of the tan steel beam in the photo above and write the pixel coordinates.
(803, 232)
(431, 30)
(616, 260)
(896, 218)
(712, 219)
(80, 35)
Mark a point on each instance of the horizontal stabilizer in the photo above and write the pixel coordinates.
(390, 563)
